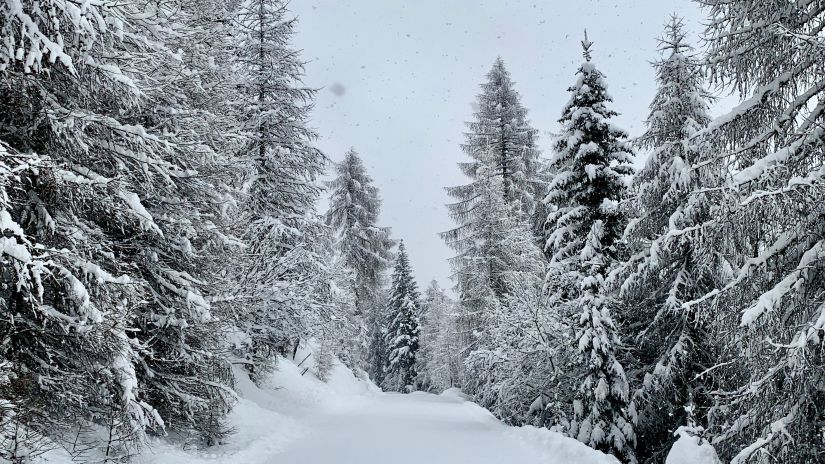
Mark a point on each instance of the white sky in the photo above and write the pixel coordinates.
(398, 77)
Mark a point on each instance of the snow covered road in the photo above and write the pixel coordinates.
(427, 429)
(298, 419)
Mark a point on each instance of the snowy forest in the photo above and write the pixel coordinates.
(171, 231)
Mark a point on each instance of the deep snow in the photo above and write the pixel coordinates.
(301, 420)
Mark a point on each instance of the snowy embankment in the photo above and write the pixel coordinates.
(301, 420)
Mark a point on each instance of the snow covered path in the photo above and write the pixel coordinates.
(427, 429)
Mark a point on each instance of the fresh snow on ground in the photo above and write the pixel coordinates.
(433, 429)
(689, 449)
(298, 419)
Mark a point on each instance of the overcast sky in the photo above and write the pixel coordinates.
(398, 78)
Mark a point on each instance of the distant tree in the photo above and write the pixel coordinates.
(501, 146)
(585, 222)
(402, 327)
(439, 362)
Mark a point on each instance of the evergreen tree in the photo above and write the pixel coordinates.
(766, 223)
(591, 157)
(500, 135)
(500, 198)
(125, 336)
(665, 269)
(438, 360)
(492, 246)
(402, 327)
(364, 248)
(280, 187)
(329, 306)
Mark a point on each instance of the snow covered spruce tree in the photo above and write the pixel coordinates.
(280, 188)
(402, 329)
(591, 156)
(767, 223)
(669, 262)
(103, 173)
(365, 249)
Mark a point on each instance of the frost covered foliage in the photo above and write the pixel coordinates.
(670, 262)
(364, 248)
(64, 347)
(327, 302)
(507, 276)
(525, 369)
(438, 362)
(279, 189)
(402, 329)
(96, 91)
(493, 246)
(767, 223)
(591, 156)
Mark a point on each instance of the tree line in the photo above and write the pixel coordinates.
(623, 308)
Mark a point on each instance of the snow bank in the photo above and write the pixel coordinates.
(265, 419)
(689, 449)
(456, 393)
(556, 448)
(268, 418)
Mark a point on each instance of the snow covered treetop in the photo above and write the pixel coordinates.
(586, 45)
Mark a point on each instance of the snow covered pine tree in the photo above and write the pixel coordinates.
(402, 329)
(125, 336)
(584, 225)
(364, 248)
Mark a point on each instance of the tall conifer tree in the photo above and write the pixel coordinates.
(280, 189)
(591, 156)
(665, 269)
(766, 225)
(109, 201)
(364, 247)
(499, 200)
